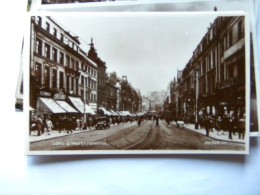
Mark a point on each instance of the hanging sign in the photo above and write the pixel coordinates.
(59, 96)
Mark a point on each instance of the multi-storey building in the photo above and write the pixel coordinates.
(88, 81)
(101, 76)
(222, 74)
(111, 93)
(130, 99)
(58, 65)
(213, 81)
(61, 70)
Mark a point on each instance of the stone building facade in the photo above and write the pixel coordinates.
(213, 80)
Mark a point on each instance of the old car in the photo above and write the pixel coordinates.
(102, 123)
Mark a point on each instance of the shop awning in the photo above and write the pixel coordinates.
(89, 110)
(126, 113)
(66, 106)
(113, 112)
(121, 113)
(79, 105)
(139, 113)
(105, 111)
(48, 106)
(134, 114)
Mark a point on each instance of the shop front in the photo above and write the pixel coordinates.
(83, 109)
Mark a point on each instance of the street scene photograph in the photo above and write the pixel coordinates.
(247, 6)
(140, 82)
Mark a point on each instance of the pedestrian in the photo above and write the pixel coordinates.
(69, 125)
(230, 126)
(77, 124)
(218, 124)
(241, 127)
(211, 119)
(225, 122)
(200, 121)
(60, 124)
(81, 123)
(207, 124)
(157, 121)
(44, 124)
(39, 125)
(49, 125)
(74, 123)
(235, 124)
(90, 122)
(139, 121)
(32, 124)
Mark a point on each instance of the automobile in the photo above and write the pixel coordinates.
(102, 123)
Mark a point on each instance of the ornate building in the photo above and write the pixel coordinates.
(111, 92)
(101, 76)
(57, 64)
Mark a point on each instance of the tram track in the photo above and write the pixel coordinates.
(151, 140)
(119, 142)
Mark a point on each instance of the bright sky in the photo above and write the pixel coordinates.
(147, 48)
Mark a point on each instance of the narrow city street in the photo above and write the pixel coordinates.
(130, 136)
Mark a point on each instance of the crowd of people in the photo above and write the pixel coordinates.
(44, 124)
(231, 123)
(41, 124)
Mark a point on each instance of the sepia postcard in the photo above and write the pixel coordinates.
(248, 6)
(137, 83)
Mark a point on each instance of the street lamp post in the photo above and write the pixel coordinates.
(197, 94)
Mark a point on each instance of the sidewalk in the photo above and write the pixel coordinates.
(221, 135)
(55, 133)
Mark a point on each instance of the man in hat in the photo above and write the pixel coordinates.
(39, 125)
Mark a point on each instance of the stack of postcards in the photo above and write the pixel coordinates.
(139, 77)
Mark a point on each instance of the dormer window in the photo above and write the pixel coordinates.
(54, 32)
(61, 37)
(47, 27)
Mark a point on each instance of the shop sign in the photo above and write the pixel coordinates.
(93, 106)
(45, 94)
(59, 96)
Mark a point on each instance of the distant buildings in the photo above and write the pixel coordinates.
(213, 80)
(129, 98)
